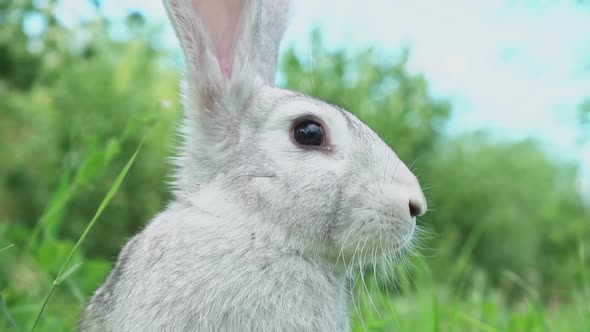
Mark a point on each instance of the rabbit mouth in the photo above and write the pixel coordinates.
(405, 240)
(392, 240)
(375, 239)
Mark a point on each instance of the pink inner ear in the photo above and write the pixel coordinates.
(220, 18)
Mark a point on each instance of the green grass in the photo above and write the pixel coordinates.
(63, 273)
(50, 281)
(425, 304)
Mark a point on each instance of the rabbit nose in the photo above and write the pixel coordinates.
(409, 187)
(416, 200)
(415, 197)
(417, 207)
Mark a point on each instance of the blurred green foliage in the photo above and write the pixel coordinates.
(510, 251)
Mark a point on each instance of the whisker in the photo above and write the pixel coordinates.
(395, 171)
(258, 175)
(385, 168)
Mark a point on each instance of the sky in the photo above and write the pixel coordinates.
(516, 68)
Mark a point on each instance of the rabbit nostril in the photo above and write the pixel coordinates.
(415, 209)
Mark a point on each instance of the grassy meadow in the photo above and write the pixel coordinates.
(88, 119)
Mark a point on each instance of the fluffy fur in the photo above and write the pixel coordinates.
(261, 229)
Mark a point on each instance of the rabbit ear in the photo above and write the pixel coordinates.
(219, 35)
(207, 31)
(230, 47)
(259, 43)
(245, 34)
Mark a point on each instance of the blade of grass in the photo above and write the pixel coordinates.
(6, 313)
(51, 218)
(66, 274)
(584, 283)
(459, 271)
(103, 205)
(533, 296)
(584, 273)
(479, 325)
(435, 314)
(7, 247)
(462, 265)
(58, 202)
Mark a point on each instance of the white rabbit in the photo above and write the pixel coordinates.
(275, 192)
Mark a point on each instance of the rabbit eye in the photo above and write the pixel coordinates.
(309, 132)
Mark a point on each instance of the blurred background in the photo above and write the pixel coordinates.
(489, 101)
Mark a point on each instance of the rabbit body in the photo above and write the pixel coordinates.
(191, 271)
(277, 195)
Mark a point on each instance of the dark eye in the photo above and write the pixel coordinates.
(309, 132)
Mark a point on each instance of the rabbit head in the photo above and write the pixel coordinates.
(318, 178)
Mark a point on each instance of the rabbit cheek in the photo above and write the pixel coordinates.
(377, 226)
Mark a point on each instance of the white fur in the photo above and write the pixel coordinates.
(262, 233)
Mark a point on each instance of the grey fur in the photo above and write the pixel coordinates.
(262, 234)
